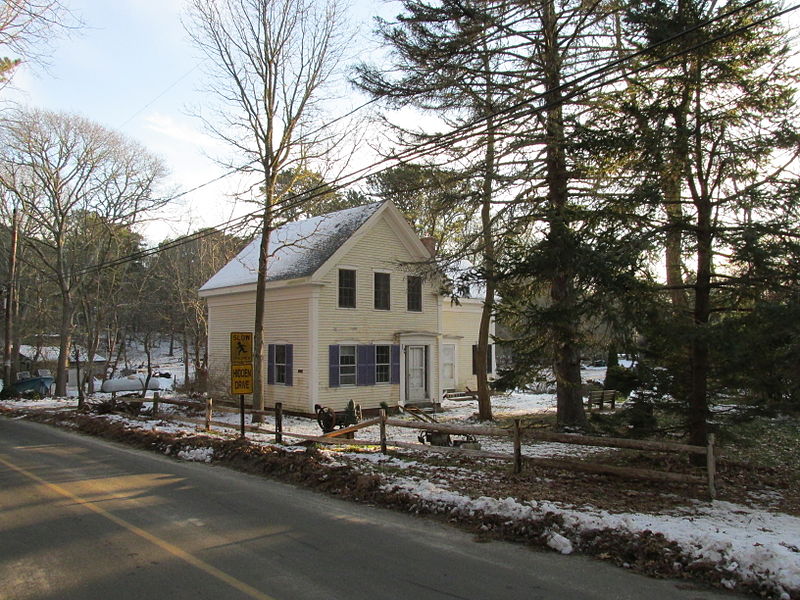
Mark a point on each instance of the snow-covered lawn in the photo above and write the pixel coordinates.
(746, 543)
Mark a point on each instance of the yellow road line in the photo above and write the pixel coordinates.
(171, 548)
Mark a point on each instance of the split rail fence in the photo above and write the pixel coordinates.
(516, 432)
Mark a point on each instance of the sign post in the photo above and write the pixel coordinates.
(241, 368)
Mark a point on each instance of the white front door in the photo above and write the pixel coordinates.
(415, 374)
(449, 366)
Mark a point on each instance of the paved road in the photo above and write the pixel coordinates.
(81, 518)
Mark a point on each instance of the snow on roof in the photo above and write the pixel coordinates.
(465, 278)
(50, 353)
(296, 249)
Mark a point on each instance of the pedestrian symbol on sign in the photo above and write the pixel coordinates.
(241, 347)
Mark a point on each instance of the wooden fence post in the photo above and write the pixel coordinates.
(208, 413)
(156, 396)
(278, 422)
(711, 466)
(383, 431)
(517, 448)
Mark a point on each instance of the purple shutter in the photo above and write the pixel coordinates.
(395, 368)
(333, 366)
(365, 365)
(289, 364)
(270, 364)
(474, 351)
(489, 358)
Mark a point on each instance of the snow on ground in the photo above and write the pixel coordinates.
(752, 545)
(757, 546)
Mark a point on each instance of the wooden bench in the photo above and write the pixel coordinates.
(601, 397)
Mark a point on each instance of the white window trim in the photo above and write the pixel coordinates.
(355, 365)
(389, 345)
(421, 295)
(346, 268)
(391, 284)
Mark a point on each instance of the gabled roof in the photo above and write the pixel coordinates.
(296, 249)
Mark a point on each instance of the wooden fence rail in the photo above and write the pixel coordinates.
(516, 432)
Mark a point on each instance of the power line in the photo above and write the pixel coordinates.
(467, 130)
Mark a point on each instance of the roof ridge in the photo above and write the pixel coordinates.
(297, 248)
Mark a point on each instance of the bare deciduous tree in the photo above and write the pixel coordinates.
(25, 27)
(77, 183)
(270, 63)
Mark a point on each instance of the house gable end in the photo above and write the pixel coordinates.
(397, 222)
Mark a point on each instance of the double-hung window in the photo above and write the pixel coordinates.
(383, 364)
(382, 290)
(347, 365)
(414, 293)
(347, 288)
(280, 363)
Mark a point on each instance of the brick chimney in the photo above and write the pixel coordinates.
(430, 244)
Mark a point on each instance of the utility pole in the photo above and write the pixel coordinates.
(10, 293)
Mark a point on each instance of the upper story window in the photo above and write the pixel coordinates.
(347, 365)
(382, 291)
(347, 288)
(414, 293)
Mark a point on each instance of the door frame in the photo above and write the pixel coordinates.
(431, 343)
(425, 355)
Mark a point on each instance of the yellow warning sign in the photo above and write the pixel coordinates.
(241, 379)
(241, 347)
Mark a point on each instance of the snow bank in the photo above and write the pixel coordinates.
(749, 544)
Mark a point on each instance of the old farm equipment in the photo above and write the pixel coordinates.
(439, 438)
(328, 419)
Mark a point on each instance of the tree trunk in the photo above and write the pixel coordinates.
(11, 286)
(78, 376)
(699, 351)
(62, 369)
(489, 258)
(259, 366)
(673, 250)
(147, 353)
(186, 382)
(566, 353)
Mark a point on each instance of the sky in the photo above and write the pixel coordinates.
(132, 68)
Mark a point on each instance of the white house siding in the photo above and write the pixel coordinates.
(378, 249)
(460, 325)
(286, 322)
